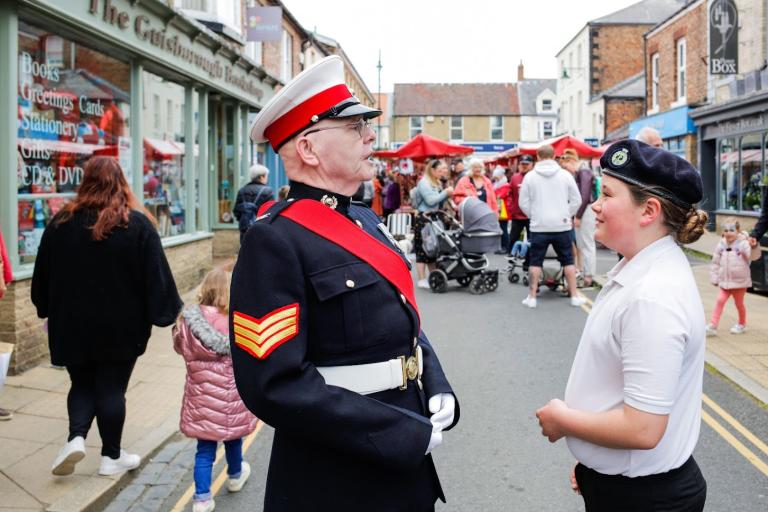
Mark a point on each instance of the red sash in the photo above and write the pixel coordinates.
(336, 228)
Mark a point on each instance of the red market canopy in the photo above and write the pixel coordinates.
(424, 146)
(562, 143)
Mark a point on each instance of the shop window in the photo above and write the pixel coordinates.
(73, 102)
(226, 177)
(497, 128)
(164, 153)
(751, 171)
(729, 177)
(457, 128)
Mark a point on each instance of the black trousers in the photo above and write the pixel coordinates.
(680, 490)
(98, 391)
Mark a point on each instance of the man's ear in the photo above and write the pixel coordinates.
(306, 152)
(651, 211)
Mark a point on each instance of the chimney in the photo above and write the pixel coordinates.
(520, 72)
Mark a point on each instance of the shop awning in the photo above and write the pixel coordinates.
(163, 149)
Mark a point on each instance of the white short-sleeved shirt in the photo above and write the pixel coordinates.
(643, 345)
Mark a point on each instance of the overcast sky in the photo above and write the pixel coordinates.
(450, 40)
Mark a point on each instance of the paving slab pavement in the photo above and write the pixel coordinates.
(31, 440)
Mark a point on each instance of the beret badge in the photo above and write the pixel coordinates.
(620, 158)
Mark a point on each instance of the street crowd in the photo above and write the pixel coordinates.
(316, 330)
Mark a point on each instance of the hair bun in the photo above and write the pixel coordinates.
(694, 226)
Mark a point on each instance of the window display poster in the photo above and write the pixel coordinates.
(73, 102)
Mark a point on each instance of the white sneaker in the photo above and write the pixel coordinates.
(711, 330)
(126, 462)
(72, 453)
(423, 283)
(235, 484)
(203, 506)
(578, 300)
(738, 329)
(530, 302)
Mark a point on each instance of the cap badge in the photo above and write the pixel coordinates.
(620, 158)
(330, 201)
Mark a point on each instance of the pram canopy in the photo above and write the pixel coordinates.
(480, 226)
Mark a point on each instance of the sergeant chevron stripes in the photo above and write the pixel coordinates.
(259, 337)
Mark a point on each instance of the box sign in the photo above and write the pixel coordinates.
(672, 123)
(723, 37)
(265, 23)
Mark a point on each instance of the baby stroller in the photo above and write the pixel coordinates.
(461, 248)
(517, 268)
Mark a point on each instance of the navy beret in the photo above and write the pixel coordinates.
(639, 164)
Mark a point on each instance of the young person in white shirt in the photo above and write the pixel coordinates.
(632, 409)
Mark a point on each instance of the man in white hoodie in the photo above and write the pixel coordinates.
(550, 198)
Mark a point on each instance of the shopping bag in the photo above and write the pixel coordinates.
(6, 349)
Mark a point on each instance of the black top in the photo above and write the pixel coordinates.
(762, 223)
(348, 314)
(255, 193)
(481, 193)
(101, 298)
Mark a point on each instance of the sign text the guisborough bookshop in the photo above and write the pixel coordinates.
(143, 29)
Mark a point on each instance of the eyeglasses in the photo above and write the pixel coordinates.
(360, 127)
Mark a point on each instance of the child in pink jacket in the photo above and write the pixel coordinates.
(212, 410)
(730, 272)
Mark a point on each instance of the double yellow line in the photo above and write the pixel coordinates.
(726, 434)
(219, 482)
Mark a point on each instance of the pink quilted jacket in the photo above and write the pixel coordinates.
(730, 264)
(211, 408)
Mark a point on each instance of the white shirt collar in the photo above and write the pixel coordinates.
(627, 272)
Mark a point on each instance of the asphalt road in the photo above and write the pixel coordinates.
(505, 361)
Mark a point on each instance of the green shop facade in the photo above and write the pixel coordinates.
(139, 81)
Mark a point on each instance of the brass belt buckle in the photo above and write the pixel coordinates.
(413, 368)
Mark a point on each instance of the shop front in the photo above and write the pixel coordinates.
(137, 81)
(733, 149)
(676, 128)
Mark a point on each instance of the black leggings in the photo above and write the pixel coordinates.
(98, 390)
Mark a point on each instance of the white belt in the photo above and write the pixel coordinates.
(375, 377)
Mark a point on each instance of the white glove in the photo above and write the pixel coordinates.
(435, 440)
(442, 406)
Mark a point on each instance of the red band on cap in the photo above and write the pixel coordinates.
(301, 115)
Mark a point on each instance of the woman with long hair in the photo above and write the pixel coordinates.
(430, 198)
(102, 280)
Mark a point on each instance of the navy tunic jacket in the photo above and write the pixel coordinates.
(333, 449)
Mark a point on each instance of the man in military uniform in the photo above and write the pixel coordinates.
(325, 331)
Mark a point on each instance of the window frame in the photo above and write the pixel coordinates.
(655, 81)
(680, 72)
(286, 59)
(551, 104)
(415, 130)
(451, 129)
(500, 127)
